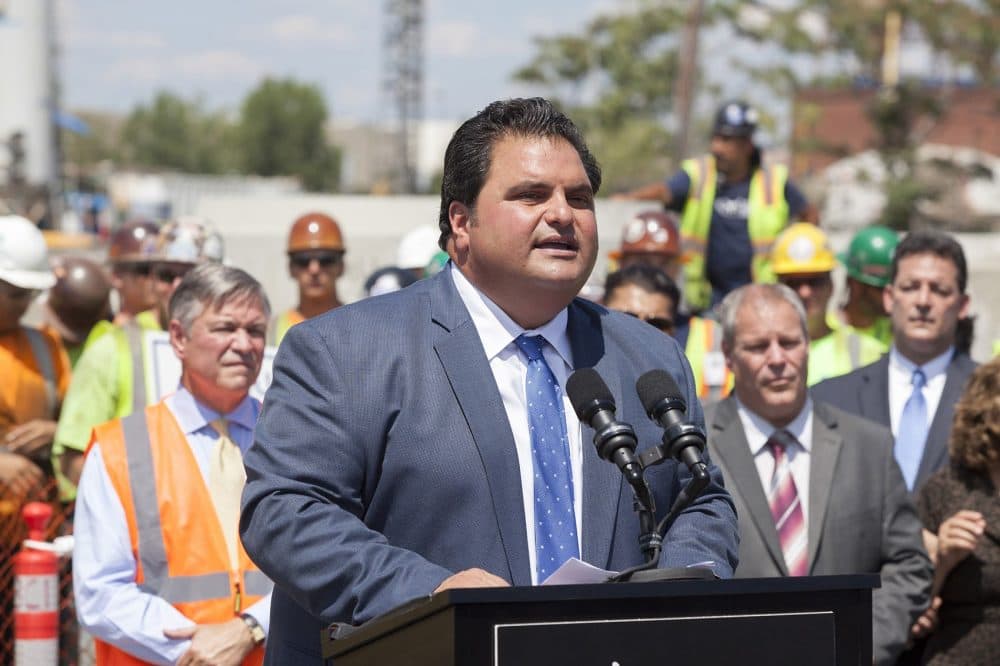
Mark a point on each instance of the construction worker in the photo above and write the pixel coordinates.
(111, 379)
(182, 591)
(803, 261)
(34, 367)
(645, 292)
(315, 261)
(868, 261)
(78, 306)
(652, 238)
(732, 208)
(418, 249)
(131, 269)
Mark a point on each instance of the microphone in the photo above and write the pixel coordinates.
(661, 398)
(615, 441)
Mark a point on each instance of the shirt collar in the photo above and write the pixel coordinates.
(192, 415)
(932, 368)
(758, 429)
(497, 330)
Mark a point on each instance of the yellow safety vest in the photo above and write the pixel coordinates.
(842, 350)
(282, 323)
(768, 215)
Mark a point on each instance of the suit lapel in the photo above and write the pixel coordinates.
(602, 482)
(873, 394)
(460, 351)
(822, 467)
(732, 447)
(936, 449)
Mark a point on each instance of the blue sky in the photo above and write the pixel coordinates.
(116, 54)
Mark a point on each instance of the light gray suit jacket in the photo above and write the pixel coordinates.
(861, 518)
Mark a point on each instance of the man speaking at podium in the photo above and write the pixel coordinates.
(422, 440)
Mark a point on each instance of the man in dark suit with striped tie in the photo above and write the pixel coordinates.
(817, 490)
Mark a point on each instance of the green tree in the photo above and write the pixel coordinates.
(616, 81)
(173, 133)
(282, 133)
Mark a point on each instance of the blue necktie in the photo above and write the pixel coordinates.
(555, 520)
(912, 433)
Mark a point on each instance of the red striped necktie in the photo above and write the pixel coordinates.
(786, 509)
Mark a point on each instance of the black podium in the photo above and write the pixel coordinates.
(818, 621)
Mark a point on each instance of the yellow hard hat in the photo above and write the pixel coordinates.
(802, 248)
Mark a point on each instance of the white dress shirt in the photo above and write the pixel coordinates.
(109, 603)
(497, 331)
(901, 383)
(758, 431)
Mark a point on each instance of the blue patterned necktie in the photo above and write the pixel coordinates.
(912, 433)
(555, 519)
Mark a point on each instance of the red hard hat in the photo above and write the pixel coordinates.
(651, 232)
(315, 231)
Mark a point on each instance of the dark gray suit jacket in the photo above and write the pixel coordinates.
(384, 462)
(865, 392)
(860, 517)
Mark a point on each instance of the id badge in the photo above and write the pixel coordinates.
(714, 368)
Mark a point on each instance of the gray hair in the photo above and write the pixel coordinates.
(213, 284)
(730, 306)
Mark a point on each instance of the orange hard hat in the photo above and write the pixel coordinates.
(651, 232)
(128, 241)
(315, 231)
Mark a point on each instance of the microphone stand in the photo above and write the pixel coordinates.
(651, 536)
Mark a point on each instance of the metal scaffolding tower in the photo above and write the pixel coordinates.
(403, 83)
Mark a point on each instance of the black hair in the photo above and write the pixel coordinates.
(470, 152)
(646, 277)
(932, 242)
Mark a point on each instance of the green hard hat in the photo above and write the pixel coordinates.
(869, 256)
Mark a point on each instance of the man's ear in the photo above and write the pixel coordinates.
(178, 339)
(460, 217)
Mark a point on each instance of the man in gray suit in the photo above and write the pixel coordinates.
(816, 489)
(398, 450)
(921, 378)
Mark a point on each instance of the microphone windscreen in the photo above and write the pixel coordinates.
(654, 386)
(584, 387)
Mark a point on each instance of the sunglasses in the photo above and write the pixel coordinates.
(814, 282)
(17, 293)
(170, 273)
(324, 259)
(142, 269)
(659, 323)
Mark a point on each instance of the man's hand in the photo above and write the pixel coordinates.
(471, 578)
(32, 439)
(957, 538)
(222, 644)
(18, 475)
(927, 622)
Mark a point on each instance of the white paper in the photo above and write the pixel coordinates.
(575, 571)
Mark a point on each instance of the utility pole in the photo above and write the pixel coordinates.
(684, 99)
(403, 82)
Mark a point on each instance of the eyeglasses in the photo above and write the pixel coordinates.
(659, 323)
(170, 273)
(324, 259)
(811, 281)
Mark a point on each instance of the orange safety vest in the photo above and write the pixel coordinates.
(180, 550)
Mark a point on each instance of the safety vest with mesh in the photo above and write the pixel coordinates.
(180, 549)
(842, 350)
(282, 323)
(712, 378)
(767, 216)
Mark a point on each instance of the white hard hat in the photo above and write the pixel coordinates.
(186, 240)
(418, 247)
(24, 259)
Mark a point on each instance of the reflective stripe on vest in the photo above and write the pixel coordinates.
(854, 350)
(43, 359)
(134, 336)
(152, 552)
